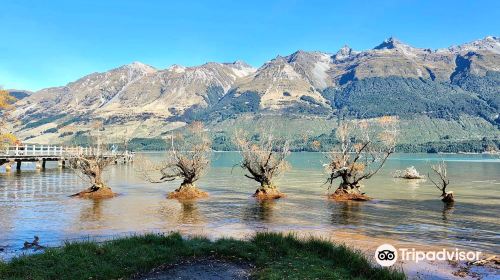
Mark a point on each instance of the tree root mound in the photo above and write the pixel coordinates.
(95, 193)
(268, 193)
(187, 193)
(344, 195)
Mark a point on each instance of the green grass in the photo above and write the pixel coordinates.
(276, 256)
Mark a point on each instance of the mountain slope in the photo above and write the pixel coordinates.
(452, 84)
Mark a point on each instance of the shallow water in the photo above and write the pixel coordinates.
(37, 203)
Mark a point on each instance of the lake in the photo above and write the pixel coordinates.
(37, 203)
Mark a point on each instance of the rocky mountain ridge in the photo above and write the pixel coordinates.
(442, 83)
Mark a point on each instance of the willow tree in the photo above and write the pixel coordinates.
(364, 147)
(188, 159)
(264, 160)
(6, 100)
(90, 163)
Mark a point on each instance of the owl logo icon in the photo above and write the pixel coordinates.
(386, 255)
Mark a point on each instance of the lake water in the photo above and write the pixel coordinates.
(37, 203)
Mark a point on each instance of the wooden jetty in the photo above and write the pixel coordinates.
(40, 154)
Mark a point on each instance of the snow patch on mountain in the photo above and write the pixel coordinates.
(489, 43)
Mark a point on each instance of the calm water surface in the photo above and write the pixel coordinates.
(37, 203)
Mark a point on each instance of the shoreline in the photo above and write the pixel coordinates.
(351, 239)
(271, 256)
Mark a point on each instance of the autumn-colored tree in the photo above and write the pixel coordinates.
(6, 100)
(363, 150)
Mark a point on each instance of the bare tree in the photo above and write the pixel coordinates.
(188, 159)
(264, 160)
(363, 150)
(90, 163)
(441, 171)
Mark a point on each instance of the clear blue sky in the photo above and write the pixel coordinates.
(50, 43)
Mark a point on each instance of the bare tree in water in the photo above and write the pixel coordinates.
(264, 160)
(90, 164)
(442, 182)
(364, 147)
(188, 159)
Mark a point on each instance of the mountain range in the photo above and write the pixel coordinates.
(452, 93)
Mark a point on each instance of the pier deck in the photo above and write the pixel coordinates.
(43, 153)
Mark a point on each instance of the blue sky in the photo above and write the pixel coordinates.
(50, 43)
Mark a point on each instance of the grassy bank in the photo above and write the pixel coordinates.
(275, 256)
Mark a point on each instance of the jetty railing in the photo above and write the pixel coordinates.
(43, 153)
(55, 151)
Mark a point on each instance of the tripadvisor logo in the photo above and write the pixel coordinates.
(387, 255)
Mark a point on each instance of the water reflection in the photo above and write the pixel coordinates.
(189, 213)
(259, 211)
(92, 212)
(35, 185)
(345, 212)
(448, 209)
(412, 185)
(180, 212)
(415, 183)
